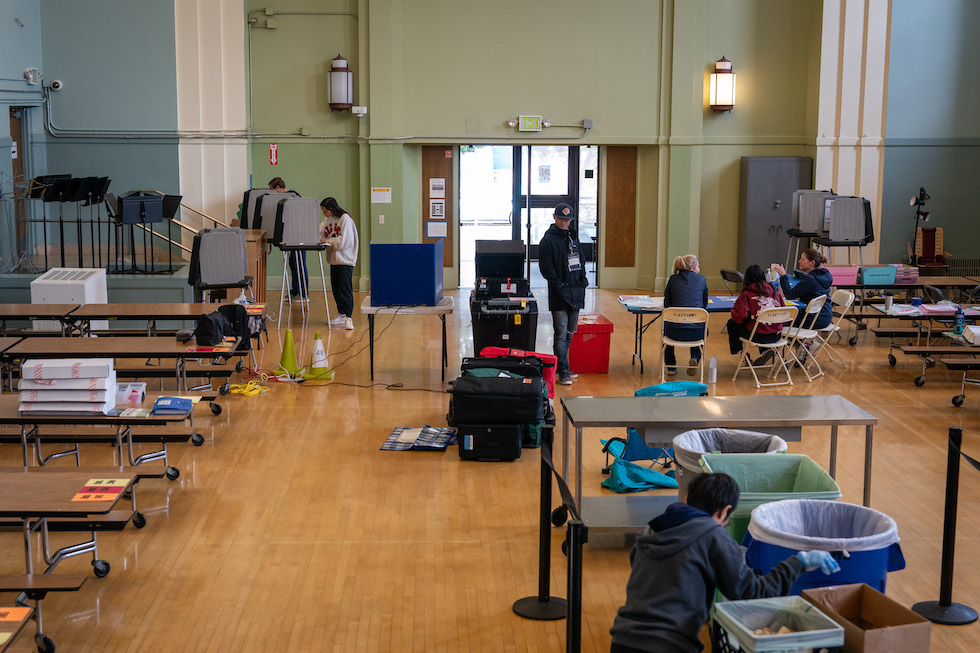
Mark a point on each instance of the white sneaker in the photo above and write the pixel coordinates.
(565, 380)
(348, 324)
(572, 375)
(338, 321)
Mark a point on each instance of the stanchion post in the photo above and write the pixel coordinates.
(543, 607)
(577, 536)
(944, 611)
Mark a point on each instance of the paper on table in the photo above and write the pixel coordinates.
(642, 301)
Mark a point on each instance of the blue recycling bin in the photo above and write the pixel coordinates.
(862, 540)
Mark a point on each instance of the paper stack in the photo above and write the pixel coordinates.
(67, 386)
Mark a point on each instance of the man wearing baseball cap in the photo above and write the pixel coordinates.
(561, 265)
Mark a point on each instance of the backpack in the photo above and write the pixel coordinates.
(212, 328)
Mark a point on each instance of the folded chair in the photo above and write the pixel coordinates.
(842, 301)
(682, 315)
(798, 335)
(731, 277)
(780, 315)
(633, 448)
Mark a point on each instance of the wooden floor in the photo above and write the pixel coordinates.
(290, 530)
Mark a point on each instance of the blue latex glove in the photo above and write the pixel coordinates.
(818, 560)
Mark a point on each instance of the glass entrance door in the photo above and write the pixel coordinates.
(511, 192)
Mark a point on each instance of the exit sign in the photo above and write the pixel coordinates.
(529, 124)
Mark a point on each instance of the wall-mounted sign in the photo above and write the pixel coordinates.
(273, 154)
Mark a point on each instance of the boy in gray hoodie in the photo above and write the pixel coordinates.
(681, 558)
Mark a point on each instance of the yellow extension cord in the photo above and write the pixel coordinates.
(249, 389)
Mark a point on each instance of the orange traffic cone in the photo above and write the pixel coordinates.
(319, 365)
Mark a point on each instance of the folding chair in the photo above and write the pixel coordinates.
(731, 277)
(932, 294)
(842, 301)
(682, 315)
(797, 335)
(780, 315)
(633, 447)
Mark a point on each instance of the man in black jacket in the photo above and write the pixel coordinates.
(561, 265)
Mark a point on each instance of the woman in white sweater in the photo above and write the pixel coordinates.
(339, 232)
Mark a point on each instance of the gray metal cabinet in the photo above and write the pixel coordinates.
(765, 211)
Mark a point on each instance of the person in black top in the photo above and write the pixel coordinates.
(561, 265)
(679, 560)
(816, 282)
(686, 287)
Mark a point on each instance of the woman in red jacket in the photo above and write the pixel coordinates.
(757, 294)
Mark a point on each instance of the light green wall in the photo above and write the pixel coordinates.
(450, 71)
(932, 132)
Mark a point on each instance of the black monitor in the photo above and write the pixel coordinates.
(500, 258)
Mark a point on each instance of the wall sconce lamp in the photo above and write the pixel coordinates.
(341, 85)
(721, 86)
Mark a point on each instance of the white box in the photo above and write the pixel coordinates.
(70, 286)
(90, 383)
(47, 395)
(130, 394)
(972, 333)
(67, 407)
(66, 368)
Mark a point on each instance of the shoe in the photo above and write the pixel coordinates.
(765, 359)
(572, 375)
(565, 380)
(338, 321)
(671, 371)
(692, 368)
(349, 324)
(294, 295)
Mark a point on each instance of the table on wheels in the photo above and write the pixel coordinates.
(658, 419)
(121, 347)
(81, 318)
(442, 309)
(33, 312)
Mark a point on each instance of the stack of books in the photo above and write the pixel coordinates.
(67, 386)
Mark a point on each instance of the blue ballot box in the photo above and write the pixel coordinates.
(406, 274)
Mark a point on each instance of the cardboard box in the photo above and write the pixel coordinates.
(873, 623)
(66, 368)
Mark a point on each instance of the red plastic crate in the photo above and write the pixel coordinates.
(589, 351)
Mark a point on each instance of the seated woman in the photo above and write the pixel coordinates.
(817, 281)
(686, 287)
(757, 294)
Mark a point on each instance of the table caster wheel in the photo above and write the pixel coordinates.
(559, 515)
(224, 389)
(920, 381)
(173, 473)
(958, 400)
(44, 644)
(564, 547)
(215, 409)
(197, 439)
(101, 568)
(853, 341)
(239, 366)
(892, 360)
(139, 519)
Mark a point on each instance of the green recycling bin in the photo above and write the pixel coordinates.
(763, 478)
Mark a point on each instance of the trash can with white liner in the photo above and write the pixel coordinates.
(864, 541)
(691, 445)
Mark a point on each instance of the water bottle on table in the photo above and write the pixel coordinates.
(959, 321)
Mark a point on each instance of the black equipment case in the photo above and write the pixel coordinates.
(504, 322)
(490, 442)
(495, 287)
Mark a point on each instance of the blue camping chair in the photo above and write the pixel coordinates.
(633, 448)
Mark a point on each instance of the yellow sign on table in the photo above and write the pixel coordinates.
(101, 489)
